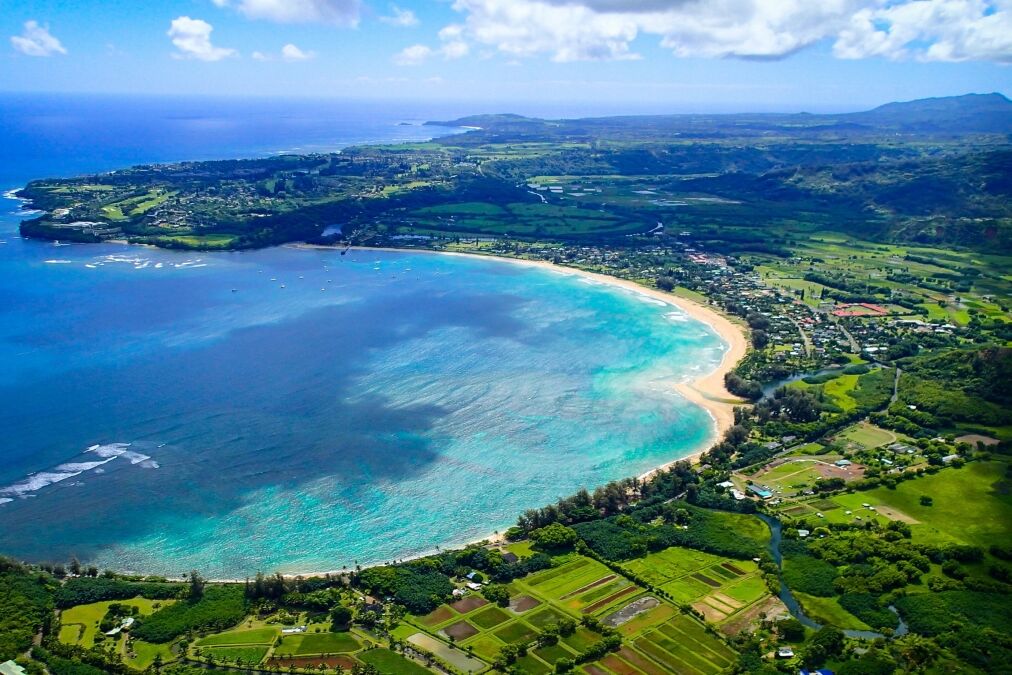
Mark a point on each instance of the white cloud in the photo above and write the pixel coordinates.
(455, 50)
(259, 56)
(36, 40)
(575, 30)
(192, 39)
(338, 12)
(453, 47)
(404, 18)
(931, 30)
(292, 53)
(415, 55)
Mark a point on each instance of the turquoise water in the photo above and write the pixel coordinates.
(300, 410)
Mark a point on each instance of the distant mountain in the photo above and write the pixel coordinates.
(970, 113)
(988, 113)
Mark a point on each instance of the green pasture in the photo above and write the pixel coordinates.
(302, 644)
(971, 504)
(390, 663)
(250, 654)
(255, 636)
(867, 435)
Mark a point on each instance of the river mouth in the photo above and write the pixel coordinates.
(302, 410)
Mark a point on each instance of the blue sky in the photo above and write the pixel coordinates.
(649, 55)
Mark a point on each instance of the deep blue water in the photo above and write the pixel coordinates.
(328, 410)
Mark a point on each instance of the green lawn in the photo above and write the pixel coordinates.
(868, 435)
(971, 504)
(146, 653)
(389, 663)
(317, 643)
(828, 610)
(89, 616)
(249, 654)
(255, 636)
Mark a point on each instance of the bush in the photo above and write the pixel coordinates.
(809, 575)
(84, 590)
(933, 613)
(865, 606)
(416, 585)
(25, 606)
(220, 607)
(554, 536)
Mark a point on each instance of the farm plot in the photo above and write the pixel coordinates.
(715, 586)
(682, 645)
(454, 657)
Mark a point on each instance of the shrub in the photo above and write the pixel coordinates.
(220, 607)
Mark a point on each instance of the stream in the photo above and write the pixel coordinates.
(794, 607)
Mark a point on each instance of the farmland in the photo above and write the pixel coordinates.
(578, 591)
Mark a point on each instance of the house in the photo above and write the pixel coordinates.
(785, 653)
(510, 557)
(949, 458)
(458, 592)
(293, 630)
(126, 623)
(763, 492)
(803, 533)
(473, 586)
(726, 484)
(470, 575)
(738, 494)
(11, 668)
(842, 462)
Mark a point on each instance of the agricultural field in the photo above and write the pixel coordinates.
(716, 587)
(579, 587)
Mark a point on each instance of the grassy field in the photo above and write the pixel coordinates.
(303, 644)
(971, 504)
(389, 663)
(87, 618)
(250, 654)
(264, 636)
(867, 435)
(203, 241)
(829, 611)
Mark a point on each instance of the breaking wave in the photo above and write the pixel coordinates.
(28, 486)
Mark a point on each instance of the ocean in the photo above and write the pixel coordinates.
(299, 410)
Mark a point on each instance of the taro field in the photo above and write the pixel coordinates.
(657, 638)
(716, 587)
